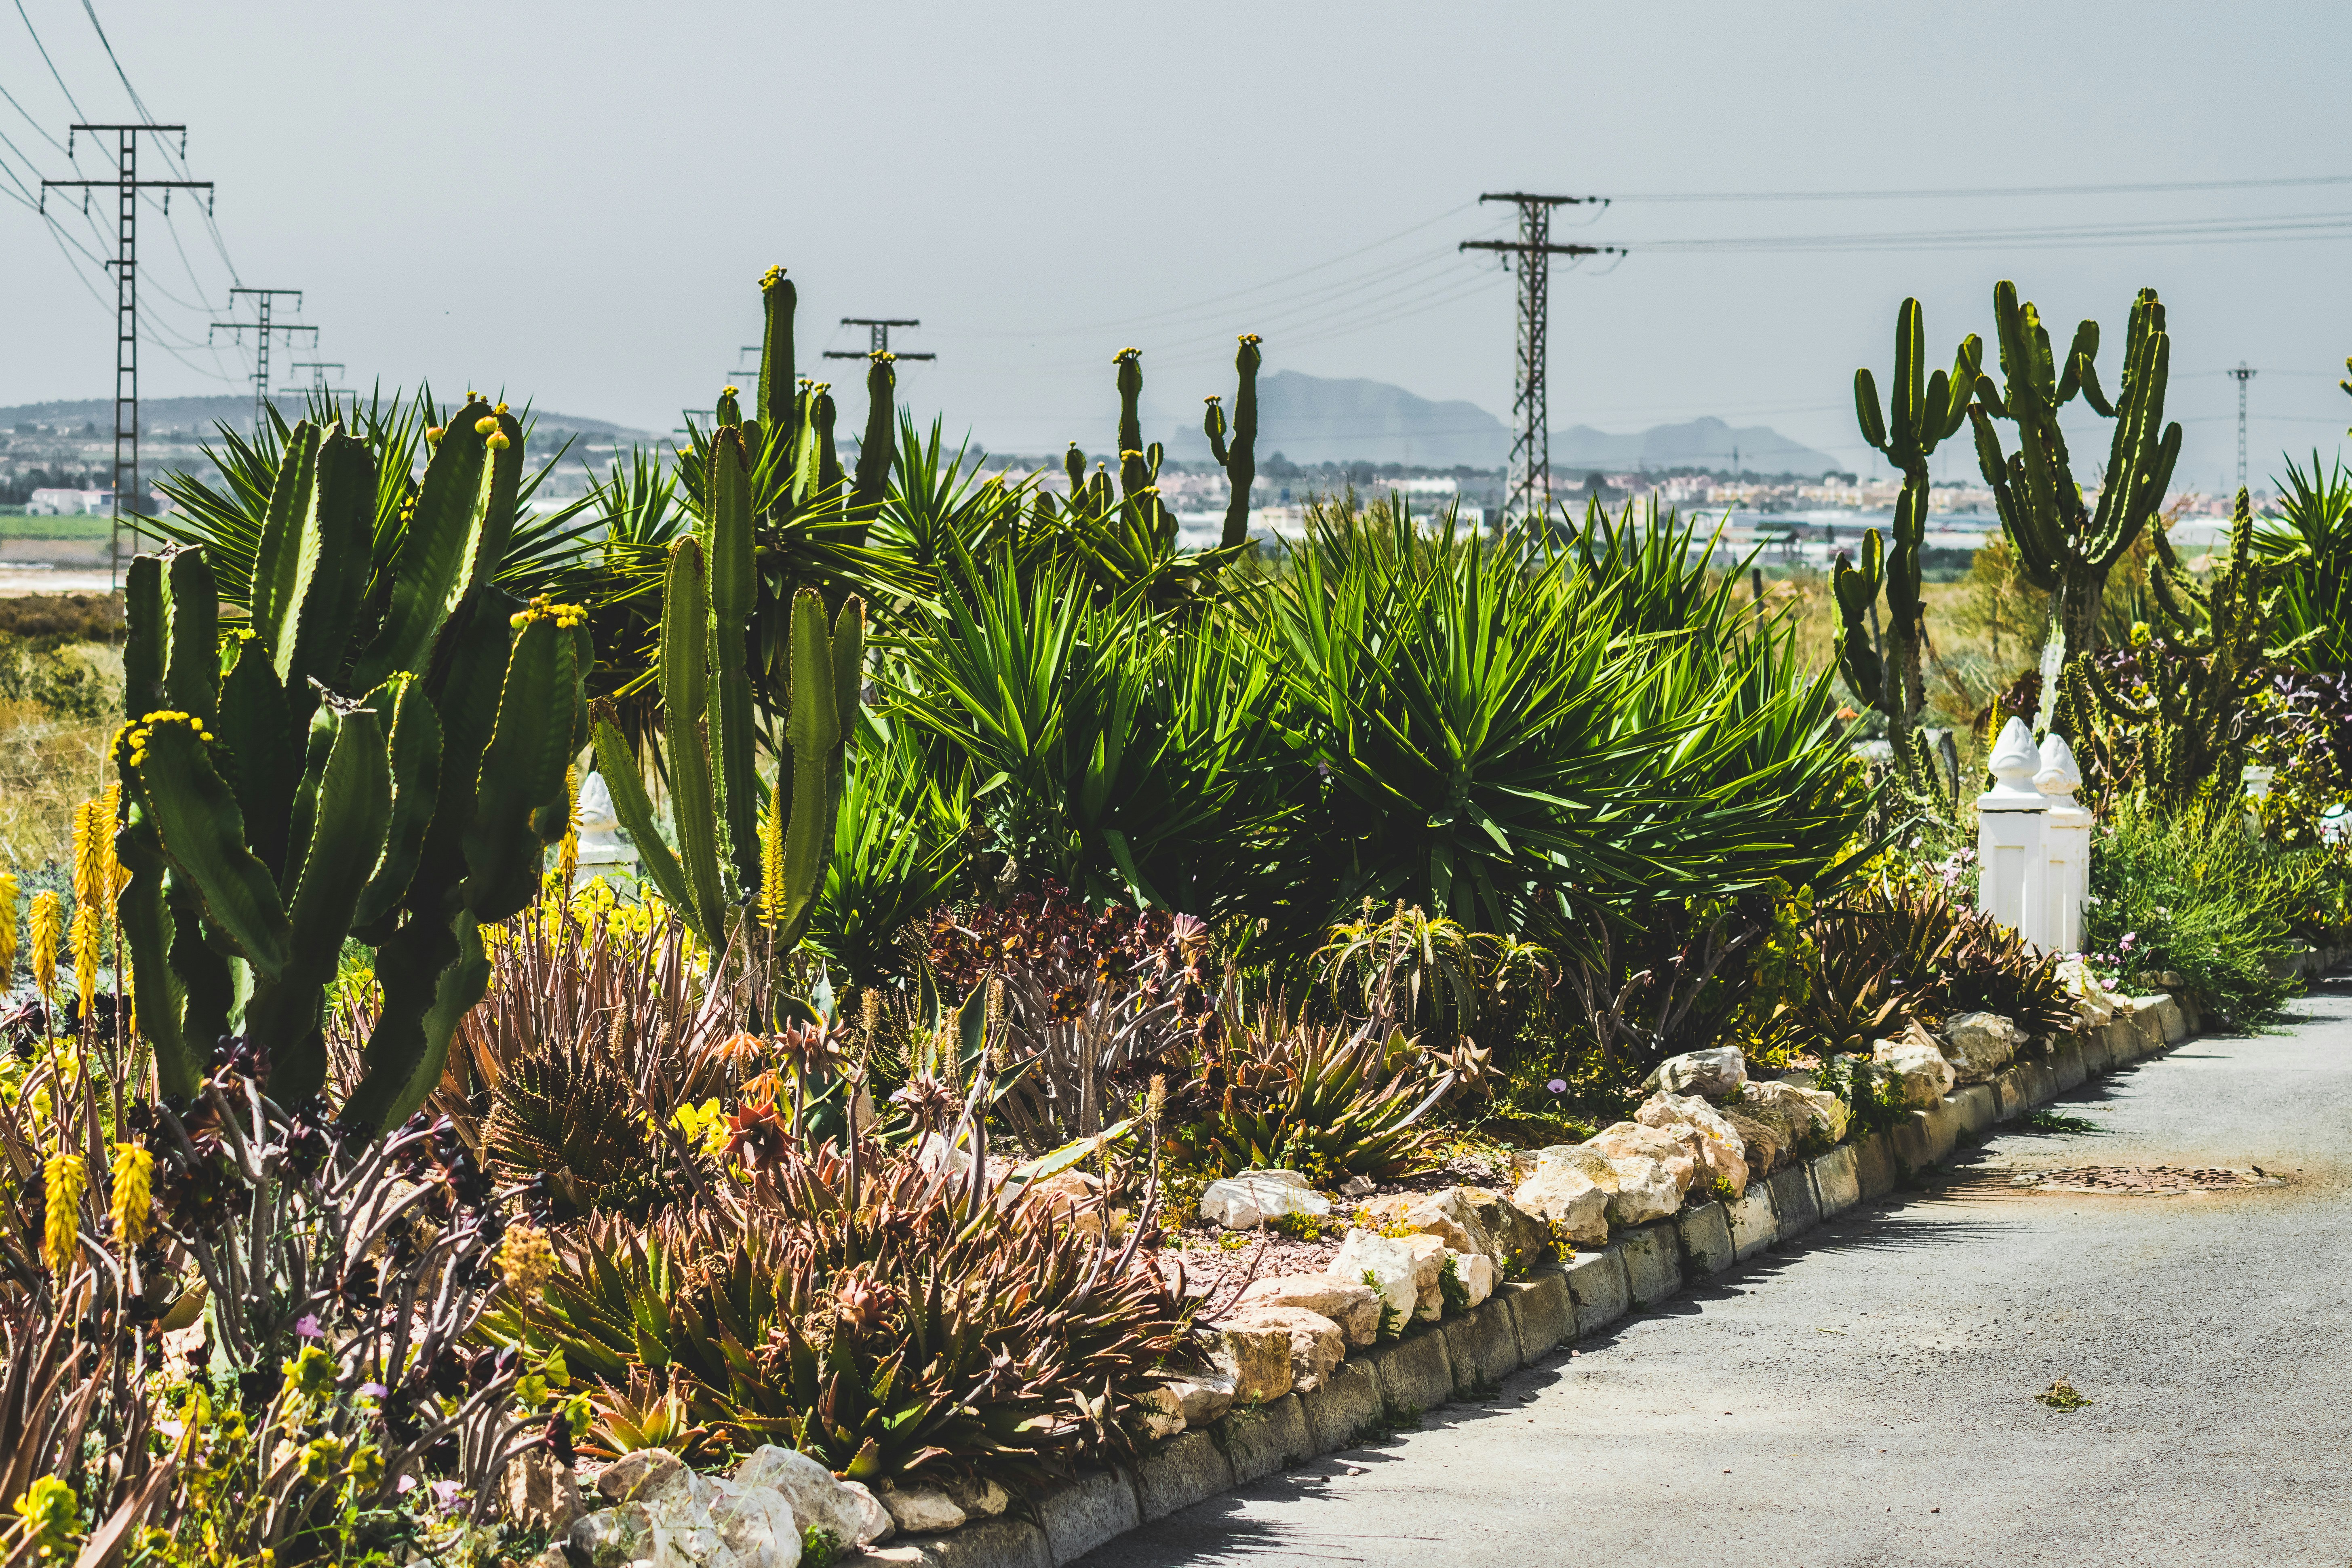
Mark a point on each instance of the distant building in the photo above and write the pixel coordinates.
(69, 503)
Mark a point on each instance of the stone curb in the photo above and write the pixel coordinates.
(1524, 1319)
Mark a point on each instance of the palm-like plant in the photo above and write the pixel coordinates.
(898, 847)
(2310, 542)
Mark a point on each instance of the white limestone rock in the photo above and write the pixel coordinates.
(1428, 1257)
(1315, 1343)
(1564, 1193)
(1383, 1263)
(1723, 1152)
(756, 1523)
(1980, 1044)
(1350, 1303)
(1675, 1147)
(2094, 1005)
(538, 1491)
(1240, 1203)
(1474, 1272)
(1200, 1397)
(914, 1506)
(1647, 1189)
(1918, 1073)
(1714, 1074)
(845, 1507)
(982, 1498)
(1254, 1355)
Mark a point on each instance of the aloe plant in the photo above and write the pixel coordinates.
(295, 782)
(723, 862)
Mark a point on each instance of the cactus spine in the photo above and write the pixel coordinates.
(715, 791)
(1926, 410)
(2067, 549)
(287, 787)
(1240, 458)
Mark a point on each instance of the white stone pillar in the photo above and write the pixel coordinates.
(2066, 850)
(2011, 864)
(601, 849)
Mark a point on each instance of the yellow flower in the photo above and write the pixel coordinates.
(8, 928)
(567, 854)
(134, 1192)
(87, 930)
(45, 923)
(59, 1235)
(527, 1260)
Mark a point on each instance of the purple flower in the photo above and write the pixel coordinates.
(1558, 1085)
(372, 1391)
(446, 1493)
(307, 1326)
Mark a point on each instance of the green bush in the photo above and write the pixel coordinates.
(2195, 893)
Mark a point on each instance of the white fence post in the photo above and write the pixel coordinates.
(2012, 860)
(2066, 847)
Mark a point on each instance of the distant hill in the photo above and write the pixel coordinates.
(201, 413)
(1699, 444)
(1315, 419)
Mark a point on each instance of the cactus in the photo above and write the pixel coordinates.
(1926, 410)
(2199, 666)
(1239, 459)
(706, 688)
(2067, 550)
(288, 785)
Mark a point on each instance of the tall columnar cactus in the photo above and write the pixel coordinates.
(1926, 410)
(714, 784)
(290, 785)
(1138, 464)
(878, 448)
(2066, 548)
(1239, 459)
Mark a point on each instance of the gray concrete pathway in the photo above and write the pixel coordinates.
(1865, 1395)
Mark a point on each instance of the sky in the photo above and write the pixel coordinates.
(574, 203)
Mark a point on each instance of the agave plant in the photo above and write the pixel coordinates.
(565, 1111)
(1328, 1100)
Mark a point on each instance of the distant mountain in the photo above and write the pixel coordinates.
(1700, 444)
(1315, 419)
(199, 415)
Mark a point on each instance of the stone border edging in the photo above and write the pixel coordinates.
(1526, 1319)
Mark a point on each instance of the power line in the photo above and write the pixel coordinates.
(877, 332)
(2300, 226)
(261, 330)
(1965, 192)
(50, 63)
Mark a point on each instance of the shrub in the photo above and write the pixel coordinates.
(2196, 893)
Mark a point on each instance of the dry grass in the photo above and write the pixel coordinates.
(48, 765)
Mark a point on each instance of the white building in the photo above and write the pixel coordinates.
(69, 503)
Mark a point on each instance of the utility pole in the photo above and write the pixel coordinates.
(318, 387)
(126, 185)
(2243, 374)
(879, 334)
(261, 330)
(1528, 488)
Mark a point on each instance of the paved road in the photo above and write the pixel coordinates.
(1865, 1395)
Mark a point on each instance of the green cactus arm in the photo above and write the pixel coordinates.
(501, 488)
(413, 755)
(464, 682)
(1213, 425)
(2081, 373)
(1903, 578)
(203, 833)
(1074, 463)
(436, 556)
(685, 675)
(1241, 467)
(258, 736)
(1129, 363)
(635, 812)
(191, 662)
(530, 746)
(331, 549)
(2135, 451)
(212, 982)
(145, 637)
(1908, 404)
(780, 402)
(878, 448)
(277, 552)
(422, 970)
(1865, 409)
(318, 744)
(815, 729)
(827, 457)
(145, 921)
(734, 594)
(1959, 387)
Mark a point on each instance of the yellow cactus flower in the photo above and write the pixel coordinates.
(526, 1261)
(567, 854)
(47, 924)
(134, 1193)
(771, 859)
(61, 1235)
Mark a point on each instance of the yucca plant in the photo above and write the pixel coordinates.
(2310, 540)
(899, 848)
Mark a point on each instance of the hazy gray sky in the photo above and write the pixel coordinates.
(573, 202)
